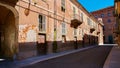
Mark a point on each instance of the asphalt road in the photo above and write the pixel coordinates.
(90, 58)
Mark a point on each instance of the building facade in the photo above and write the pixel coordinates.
(109, 23)
(39, 27)
(117, 18)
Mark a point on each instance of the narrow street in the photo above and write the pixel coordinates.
(91, 58)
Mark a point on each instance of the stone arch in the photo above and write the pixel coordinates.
(9, 30)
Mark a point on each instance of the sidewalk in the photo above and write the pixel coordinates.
(113, 60)
(18, 64)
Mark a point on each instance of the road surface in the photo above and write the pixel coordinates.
(90, 58)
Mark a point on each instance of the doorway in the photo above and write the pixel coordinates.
(8, 29)
(110, 39)
(41, 44)
(75, 43)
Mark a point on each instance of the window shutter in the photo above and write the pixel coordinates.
(63, 28)
(44, 23)
(40, 22)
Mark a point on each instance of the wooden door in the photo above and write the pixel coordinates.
(75, 43)
(41, 45)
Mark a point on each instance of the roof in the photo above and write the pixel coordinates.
(103, 9)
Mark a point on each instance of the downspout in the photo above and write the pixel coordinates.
(55, 29)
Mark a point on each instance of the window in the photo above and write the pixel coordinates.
(75, 32)
(109, 14)
(42, 23)
(108, 20)
(63, 28)
(81, 15)
(102, 15)
(96, 16)
(82, 32)
(63, 38)
(63, 5)
(74, 12)
(88, 21)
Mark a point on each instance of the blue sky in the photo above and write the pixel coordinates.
(92, 5)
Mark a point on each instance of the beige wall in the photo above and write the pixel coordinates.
(28, 25)
(26, 22)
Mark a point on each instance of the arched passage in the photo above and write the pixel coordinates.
(8, 31)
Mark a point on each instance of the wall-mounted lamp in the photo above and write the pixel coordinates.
(35, 2)
(27, 10)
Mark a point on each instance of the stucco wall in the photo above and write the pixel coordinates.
(28, 25)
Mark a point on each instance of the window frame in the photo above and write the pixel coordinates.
(81, 15)
(42, 22)
(108, 14)
(109, 21)
(63, 25)
(89, 22)
(74, 12)
(102, 15)
(75, 32)
(63, 5)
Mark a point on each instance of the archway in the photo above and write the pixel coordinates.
(8, 31)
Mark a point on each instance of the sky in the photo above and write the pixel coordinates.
(93, 5)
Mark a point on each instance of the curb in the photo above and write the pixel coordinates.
(107, 62)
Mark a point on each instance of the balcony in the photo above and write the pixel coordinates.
(92, 29)
(98, 32)
(76, 21)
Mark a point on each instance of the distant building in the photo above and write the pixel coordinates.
(37, 27)
(109, 23)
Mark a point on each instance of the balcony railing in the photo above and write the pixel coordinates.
(76, 21)
(98, 32)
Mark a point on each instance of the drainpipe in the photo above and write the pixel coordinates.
(55, 29)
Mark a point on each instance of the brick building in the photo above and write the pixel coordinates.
(36, 27)
(109, 23)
